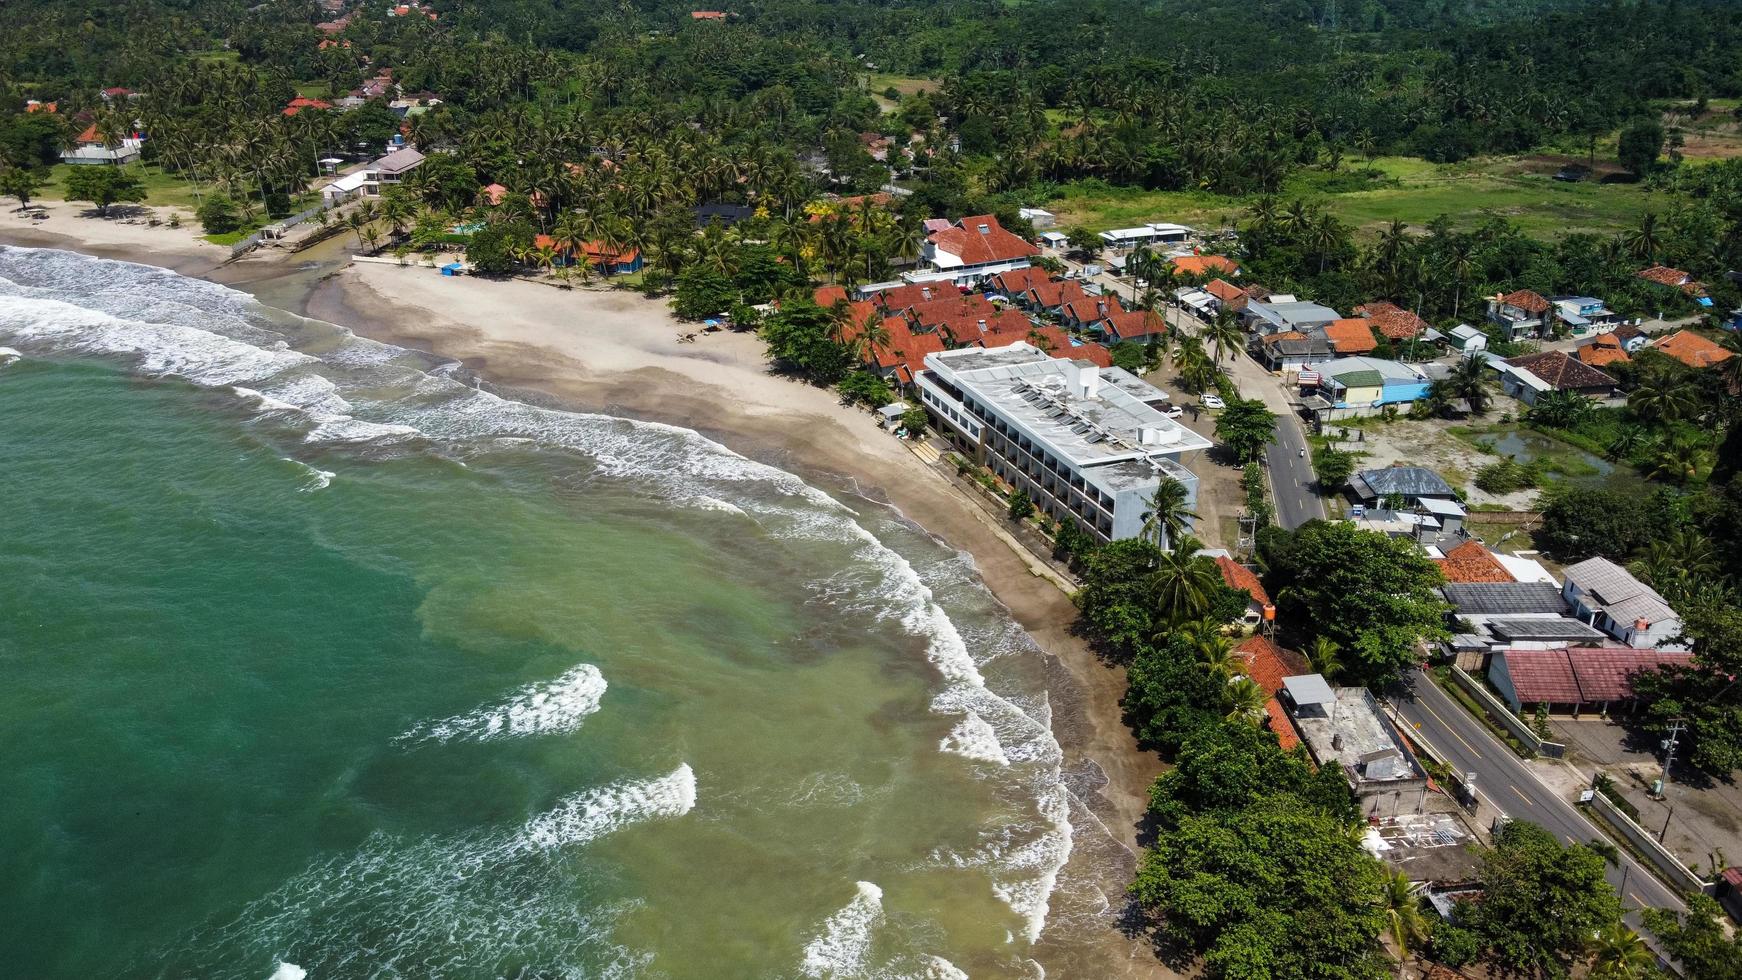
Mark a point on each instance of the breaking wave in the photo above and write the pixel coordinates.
(552, 708)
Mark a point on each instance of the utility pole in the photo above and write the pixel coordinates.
(1676, 727)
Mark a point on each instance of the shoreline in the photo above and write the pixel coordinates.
(615, 352)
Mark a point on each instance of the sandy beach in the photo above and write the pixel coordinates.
(76, 227)
(599, 349)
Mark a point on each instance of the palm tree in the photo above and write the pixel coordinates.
(1618, 953)
(1468, 380)
(1403, 918)
(1644, 242)
(1322, 657)
(1169, 514)
(1182, 584)
(1216, 652)
(1247, 700)
(1224, 332)
(1679, 461)
(1661, 399)
(1560, 409)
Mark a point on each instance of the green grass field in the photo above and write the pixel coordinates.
(161, 189)
(1410, 190)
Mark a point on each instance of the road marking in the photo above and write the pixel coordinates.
(1636, 900)
(1521, 795)
(1449, 728)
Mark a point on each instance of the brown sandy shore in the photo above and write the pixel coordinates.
(611, 351)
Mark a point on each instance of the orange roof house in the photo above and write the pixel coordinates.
(1240, 577)
(1692, 349)
(977, 240)
(1665, 276)
(1392, 321)
(826, 296)
(1230, 295)
(1205, 265)
(1471, 562)
(299, 103)
(1603, 350)
(1524, 299)
(494, 193)
(35, 106)
(1351, 337)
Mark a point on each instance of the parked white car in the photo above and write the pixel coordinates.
(1173, 411)
(1213, 401)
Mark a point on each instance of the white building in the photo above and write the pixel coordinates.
(372, 179)
(1038, 217)
(1150, 234)
(1606, 596)
(1085, 443)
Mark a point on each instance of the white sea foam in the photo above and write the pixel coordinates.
(1025, 878)
(8, 355)
(288, 971)
(938, 968)
(585, 816)
(714, 503)
(551, 708)
(842, 948)
(974, 738)
(316, 479)
(474, 903)
(266, 402)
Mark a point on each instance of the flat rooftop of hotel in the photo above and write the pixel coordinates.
(1089, 416)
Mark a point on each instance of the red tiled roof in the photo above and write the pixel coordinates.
(1282, 335)
(826, 296)
(1133, 324)
(1227, 292)
(1055, 292)
(1561, 371)
(1089, 309)
(1393, 321)
(1471, 562)
(707, 15)
(1053, 340)
(1665, 276)
(940, 311)
(90, 135)
(494, 193)
(1203, 265)
(601, 254)
(1583, 674)
(902, 297)
(1267, 664)
(1092, 352)
(1605, 348)
(1353, 336)
(117, 90)
(1240, 577)
(1692, 349)
(1526, 300)
(41, 106)
(1017, 281)
(975, 246)
(299, 103)
(1279, 722)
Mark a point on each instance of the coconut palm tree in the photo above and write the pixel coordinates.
(1224, 332)
(1247, 700)
(1679, 461)
(1322, 657)
(1560, 409)
(1468, 380)
(1660, 398)
(1215, 651)
(1403, 917)
(1169, 514)
(1183, 585)
(1644, 242)
(1618, 953)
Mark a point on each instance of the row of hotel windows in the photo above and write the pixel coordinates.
(1012, 438)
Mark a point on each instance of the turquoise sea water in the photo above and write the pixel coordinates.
(315, 656)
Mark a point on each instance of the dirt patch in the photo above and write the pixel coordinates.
(1429, 444)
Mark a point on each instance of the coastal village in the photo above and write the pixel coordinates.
(1460, 556)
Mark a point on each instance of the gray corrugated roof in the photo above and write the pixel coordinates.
(1527, 628)
(1410, 481)
(1501, 598)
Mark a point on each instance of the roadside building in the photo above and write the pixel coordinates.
(1608, 597)
(1344, 728)
(1134, 326)
(1663, 275)
(1350, 337)
(1040, 218)
(1632, 337)
(1575, 679)
(1409, 484)
(1527, 378)
(1082, 447)
(1280, 315)
(1350, 387)
(1582, 314)
(1467, 340)
(1293, 351)
(1143, 235)
(1521, 315)
(1227, 295)
(1200, 266)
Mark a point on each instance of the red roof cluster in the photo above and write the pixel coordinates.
(1232, 296)
(1663, 275)
(1136, 324)
(1692, 349)
(1204, 265)
(1604, 349)
(826, 296)
(299, 103)
(1351, 336)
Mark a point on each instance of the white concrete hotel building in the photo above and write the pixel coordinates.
(1086, 443)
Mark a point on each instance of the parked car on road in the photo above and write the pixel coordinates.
(1213, 401)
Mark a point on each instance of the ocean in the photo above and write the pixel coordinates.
(322, 659)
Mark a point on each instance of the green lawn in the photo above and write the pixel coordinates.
(161, 189)
(1407, 189)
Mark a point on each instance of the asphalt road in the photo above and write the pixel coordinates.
(1506, 784)
(1291, 476)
